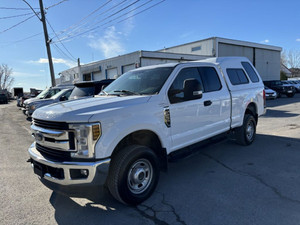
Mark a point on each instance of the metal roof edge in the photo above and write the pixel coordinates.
(247, 43)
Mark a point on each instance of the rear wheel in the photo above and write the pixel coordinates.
(245, 134)
(133, 174)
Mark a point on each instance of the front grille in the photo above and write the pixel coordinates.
(53, 154)
(51, 124)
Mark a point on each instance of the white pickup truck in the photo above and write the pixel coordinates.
(123, 137)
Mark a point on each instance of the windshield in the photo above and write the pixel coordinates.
(79, 92)
(58, 94)
(43, 93)
(139, 82)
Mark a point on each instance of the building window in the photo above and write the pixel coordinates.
(87, 77)
(198, 48)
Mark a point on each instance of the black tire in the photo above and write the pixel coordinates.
(290, 95)
(245, 134)
(133, 160)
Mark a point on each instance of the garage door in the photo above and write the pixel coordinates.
(127, 68)
(112, 73)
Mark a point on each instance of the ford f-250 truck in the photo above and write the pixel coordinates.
(123, 137)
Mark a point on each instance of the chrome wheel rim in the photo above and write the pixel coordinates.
(250, 129)
(139, 176)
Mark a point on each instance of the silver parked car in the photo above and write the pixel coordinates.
(270, 94)
(62, 95)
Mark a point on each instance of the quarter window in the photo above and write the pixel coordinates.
(210, 79)
(251, 72)
(237, 76)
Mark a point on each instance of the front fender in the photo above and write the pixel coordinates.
(119, 126)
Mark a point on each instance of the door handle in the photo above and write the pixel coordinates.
(207, 103)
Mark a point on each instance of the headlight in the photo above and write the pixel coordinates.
(86, 136)
(32, 107)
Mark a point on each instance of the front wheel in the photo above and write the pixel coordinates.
(133, 174)
(245, 134)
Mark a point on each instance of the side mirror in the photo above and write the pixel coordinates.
(192, 89)
(63, 98)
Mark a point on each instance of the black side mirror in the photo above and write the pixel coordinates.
(192, 89)
(63, 98)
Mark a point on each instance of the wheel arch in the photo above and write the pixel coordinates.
(252, 109)
(146, 138)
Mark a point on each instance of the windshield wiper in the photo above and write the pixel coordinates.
(127, 92)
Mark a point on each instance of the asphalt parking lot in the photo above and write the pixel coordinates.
(219, 183)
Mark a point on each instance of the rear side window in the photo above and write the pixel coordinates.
(237, 76)
(250, 71)
(210, 79)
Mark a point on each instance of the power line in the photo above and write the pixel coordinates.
(16, 8)
(69, 36)
(128, 12)
(61, 42)
(23, 21)
(141, 11)
(8, 17)
(74, 25)
(97, 27)
(56, 4)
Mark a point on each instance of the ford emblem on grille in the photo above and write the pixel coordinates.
(39, 137)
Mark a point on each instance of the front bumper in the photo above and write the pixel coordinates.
(97, 171)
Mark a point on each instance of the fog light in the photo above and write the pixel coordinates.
(84, 172)
(79, 173)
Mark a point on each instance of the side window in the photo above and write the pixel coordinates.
(210, 79)
(237, 76)
(250, 71)
(67, 94)
(176, 92)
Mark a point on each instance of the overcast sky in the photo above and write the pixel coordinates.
(93, 30)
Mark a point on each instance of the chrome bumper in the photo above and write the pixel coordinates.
(97, 171)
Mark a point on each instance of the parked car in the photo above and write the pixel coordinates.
(270, 94)
(63, 95)
(281, 88)
(89, 88)
(45, 94)
(292, 83)
(124, 136)
(3, 99)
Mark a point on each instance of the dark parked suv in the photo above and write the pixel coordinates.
(280, 88)
(3, 99)
(89, 88)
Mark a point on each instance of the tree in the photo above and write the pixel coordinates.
(6, 79)
(291, 58)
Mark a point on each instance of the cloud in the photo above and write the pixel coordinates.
(25, 75)
(265, 41)
(110, 45)
(55, 61)
(298, 39)
(186, 35)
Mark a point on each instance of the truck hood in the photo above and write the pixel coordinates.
(81, 110)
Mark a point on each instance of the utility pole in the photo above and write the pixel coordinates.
(47, 41)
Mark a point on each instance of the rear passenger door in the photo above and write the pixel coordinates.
(198, 119)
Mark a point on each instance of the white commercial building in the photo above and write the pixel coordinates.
(265, 58)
